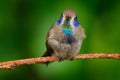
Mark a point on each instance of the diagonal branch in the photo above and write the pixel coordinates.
(9, 65)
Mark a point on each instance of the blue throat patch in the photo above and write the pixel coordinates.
(66, 26)
(67, 31)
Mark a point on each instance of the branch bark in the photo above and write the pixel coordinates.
(10, 65)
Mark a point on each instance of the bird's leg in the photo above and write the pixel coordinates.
(72, 58)
(60, 59)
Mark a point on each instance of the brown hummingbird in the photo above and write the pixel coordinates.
(65, 37)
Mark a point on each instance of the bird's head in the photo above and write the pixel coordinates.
(68, 21)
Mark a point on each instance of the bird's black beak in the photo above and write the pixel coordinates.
(68, 18)
(66, 22)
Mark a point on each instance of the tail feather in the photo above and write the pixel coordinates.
(47, 53)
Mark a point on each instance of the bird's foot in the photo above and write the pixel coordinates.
(72, 58)
(61, 59)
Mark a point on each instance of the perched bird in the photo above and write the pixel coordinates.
(65, 37)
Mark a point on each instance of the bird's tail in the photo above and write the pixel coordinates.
(47, 53)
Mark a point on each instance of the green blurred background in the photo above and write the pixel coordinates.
(25, 23)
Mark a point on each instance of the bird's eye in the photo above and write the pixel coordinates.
(76, 23)
(75, 18)
(61, 14)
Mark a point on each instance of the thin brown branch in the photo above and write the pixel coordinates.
(9, 65)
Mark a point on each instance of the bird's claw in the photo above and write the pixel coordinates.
(72, 58)
(61, 59)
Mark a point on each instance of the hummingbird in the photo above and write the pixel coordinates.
(65, 37)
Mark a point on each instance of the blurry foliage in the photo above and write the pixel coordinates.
(25, 23)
